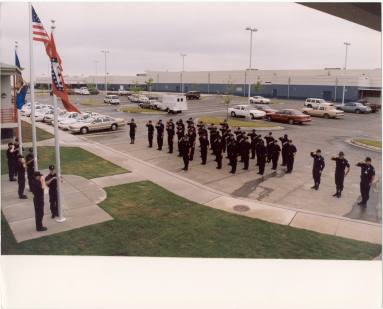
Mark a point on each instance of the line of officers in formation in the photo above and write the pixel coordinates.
(19, 167)
(242, 146)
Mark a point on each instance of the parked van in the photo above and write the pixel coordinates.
(174, 103)
(111, 99)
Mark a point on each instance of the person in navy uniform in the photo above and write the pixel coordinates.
(275, 151)
(185, 151)
(318, 166)
(204, 144)
(290, 155)
(51, 182)
(132, 130)
(269, 141)
(192, 135)
(20, 168)
(245, 150)
(30, 159)
(253, 142)
(257, 143)
(160, 134)
(342, 168)
(232, 151)
(150, 127)
(261, 156)
(218, 151)
(38, 186)
(180, 132)
(367, 175)
(284, 142)
(11, 161)
(170, 129)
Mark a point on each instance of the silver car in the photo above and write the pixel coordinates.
(96, 124)
(354, 107)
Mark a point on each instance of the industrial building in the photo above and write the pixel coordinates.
(287, 84)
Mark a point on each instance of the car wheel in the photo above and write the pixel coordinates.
(309, 106)
(327, 116)
(113, 127)
(291, 121)
(304, 112)
(357, 111)
(84, 130)
(252, 116)
(233, 114)
(268, 118)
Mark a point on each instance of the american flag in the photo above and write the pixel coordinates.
(39, 33)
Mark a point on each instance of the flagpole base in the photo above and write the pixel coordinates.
(60, 220)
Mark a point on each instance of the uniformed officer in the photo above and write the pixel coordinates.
(192, 135)
(150, 127)
(11, 161)
(237, 131)
(218, 151)
(204, 144)
(261, 156)
(253, 142)
(341, 170)
(367, 175)
(180, 132)
(170, 129)
(21, 166)
(290, 155)
(245, 150)
(284, 142)
(38, 186)
(51, 182)
(185, 151)
(232, 151)
(213, 135)
(132, 130)
(318, 166)
(275, 151)
(30, 166)
(190, 122)
(269, 140)
(160, 134)
(257, 143)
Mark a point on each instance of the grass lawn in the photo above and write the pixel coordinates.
(137, 110)
(74, 161)
(150, 221)
(238, 123)
(26, 131)
(370, 142)
(91, 102)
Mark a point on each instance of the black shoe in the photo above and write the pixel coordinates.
(52, 216)
(361, 203)
(13, 179)
(23, 197)
(316, 188)
(203, 163)
(245, 169)
(218, 168)
(313, 187)
(41, 229)
(335, 194)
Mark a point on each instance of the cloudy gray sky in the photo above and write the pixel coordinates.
(151, 36)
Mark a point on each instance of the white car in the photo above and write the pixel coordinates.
(111, 99)
(97, 124)
(64, 118)
(143, 99)
(82, 91)
(64, 124)
(259, 100)
(315, 102)
(246, 111)
(50, 116)
(41, 112)
(27, 110)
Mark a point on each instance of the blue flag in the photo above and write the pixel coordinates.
(21, 86)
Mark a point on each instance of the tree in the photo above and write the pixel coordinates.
(149, 84)
(135, 88)
(226, 98)
(257, 86)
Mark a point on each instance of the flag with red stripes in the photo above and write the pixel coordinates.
(39, 33)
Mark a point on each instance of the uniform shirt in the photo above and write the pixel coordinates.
(20, 170)
(284, 141)
(341, 165)
(37, 189)
(53, 184)
(150, 129)
(318, 162)
(269, 139)
(184, 146)
(132, 127)
(245, 147)
(291, 150)
(160, 128)
(170, 128)
(261, 150)
(367, 172)
(275, 150)
(30, 166)
(204, 143)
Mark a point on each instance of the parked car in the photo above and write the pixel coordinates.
(146, 104)
(82, 91)
(133, 98)
(97, 124)
(290, 116)
(64, 124)
(314, 102)
(354, 107)
(193, 95)
(67, 118)
(246, 111)
(123, 92)
(111, 99)
(375, 107)
(143, 99)
(324, 110)
(266, 108)
(94, 91)
(41, 112)
(259, 100)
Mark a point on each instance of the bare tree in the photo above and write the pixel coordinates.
(149, 84)
(227, 97)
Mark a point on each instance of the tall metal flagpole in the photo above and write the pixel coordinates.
(57, 148)
(32, 88)
(18, 117)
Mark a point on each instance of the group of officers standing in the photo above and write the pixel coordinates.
(19, 167)
(242, 146)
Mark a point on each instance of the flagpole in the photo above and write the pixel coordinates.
(32, 88)
(18, 116)
(57, 148)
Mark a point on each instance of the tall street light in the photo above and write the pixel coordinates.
(182, 73)
(105, 52)
(347, 44)
(96, 72)
(251, 51)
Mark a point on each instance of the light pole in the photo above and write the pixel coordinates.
(96, 72)
(345, 67)
(105, 52)
(251, 51)
(182, 73)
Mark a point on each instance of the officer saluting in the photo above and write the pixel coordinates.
(38, 186)
(341, 165)
(367, 175)
(261, 156)
(20, 167)
(232, 151)
(253, 143)
(318, 166)
(285, 142)
(185, 151)
(150, 127)
(245, 150)
(132, 130)
(11, 161)
(180, 133)
(290, 154)
(170, 129)
(160, 134)
(275, 151)
(204, 144)
(30, 166)
(51, 182)
(269, 141)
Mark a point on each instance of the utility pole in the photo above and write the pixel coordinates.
(345, 68)
(182, 73)
(251, 51)
(105, 52)
(96, 72)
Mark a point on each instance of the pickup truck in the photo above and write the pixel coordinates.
(324, 110)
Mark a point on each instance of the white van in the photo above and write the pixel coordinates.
(111, 99)
(314, 102)
(174, 103)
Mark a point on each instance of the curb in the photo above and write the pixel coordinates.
(363, 146)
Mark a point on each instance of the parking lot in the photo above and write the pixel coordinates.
(287, 190)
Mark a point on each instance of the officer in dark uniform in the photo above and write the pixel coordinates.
(190, 122)
(204, 144)
(232, 150)
(257, 143)
(269, 140)
(132, 130)
(284, 142)
(38, 186)
(318, 166)
(170, 129)
(30, 159)
(51, 182)
(160, 134)
(341, 170)
(237, 131)
(245, 150)
(275, 151)
(180, 132)
(192, 134)
(261, 156)
(11, 162)
(253, 142)
(367, 175)
(290, 155)
(150, 127)
(213, 135)
(185, 151)
(218, 151)
(21, 166)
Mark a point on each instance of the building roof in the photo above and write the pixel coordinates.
(7, 69)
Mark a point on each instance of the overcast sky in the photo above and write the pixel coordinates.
(151, 36)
